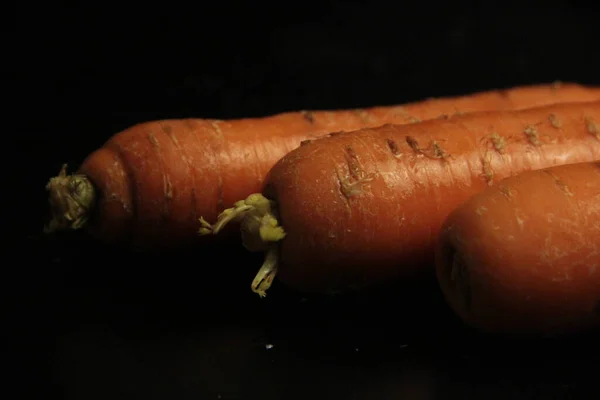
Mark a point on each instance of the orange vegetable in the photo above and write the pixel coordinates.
(364, 207)
(523, 257)
(147, 186)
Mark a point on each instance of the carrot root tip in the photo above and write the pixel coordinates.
(264, 278)
(71, 200)
(260, 232)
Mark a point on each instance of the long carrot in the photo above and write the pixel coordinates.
(363, 207)
(147, 186)
(523, 257)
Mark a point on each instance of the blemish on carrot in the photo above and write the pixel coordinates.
(167, 187)
(558, 182)
(363, 115)
(487, 171)
(532, 135)
(556, 85)
(393, 146)
(305, 142)
(331, 134)
(592, 127)
(506, 192)
(353, 162)
(309, 116)
(554, 121)
(167, 128)
(413, 120)
(444, 116)
(480, 210)
(498, 142)
(413, 144)
(520, 221)
(438, 152)
(354, 183)
(153, 140)
(216, 127)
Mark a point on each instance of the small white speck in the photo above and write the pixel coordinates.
(268, 346)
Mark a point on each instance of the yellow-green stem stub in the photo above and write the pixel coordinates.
(260, 232)
(71, 199)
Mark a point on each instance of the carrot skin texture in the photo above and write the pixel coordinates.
(365, 207)
(523, 257)
(156, 179)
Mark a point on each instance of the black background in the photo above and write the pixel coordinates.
(94, 323)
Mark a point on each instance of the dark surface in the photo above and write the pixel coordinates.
(93, 323)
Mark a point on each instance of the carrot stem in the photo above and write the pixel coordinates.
(260, 232)
(71, 199)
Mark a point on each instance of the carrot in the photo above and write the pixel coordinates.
(147, 186)
(364, 207)
(523, 257)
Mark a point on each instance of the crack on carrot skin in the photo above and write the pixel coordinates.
(308, 116)
(592, 127)
(167, 186)
(554, 121)
(168, 130)
(354, 166)
(532, 135)
(560, 183)
(393, 146)
(353, 184)
(437, 152)
(413, 144)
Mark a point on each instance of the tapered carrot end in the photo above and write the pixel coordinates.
(71, 199)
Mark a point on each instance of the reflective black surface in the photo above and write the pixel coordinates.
(90, 322)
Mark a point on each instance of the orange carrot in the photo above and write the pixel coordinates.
(147, 186)
(364, 207)
(523, 257)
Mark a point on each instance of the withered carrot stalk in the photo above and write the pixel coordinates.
(147, 186)
(522, 258)
(364, 207)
